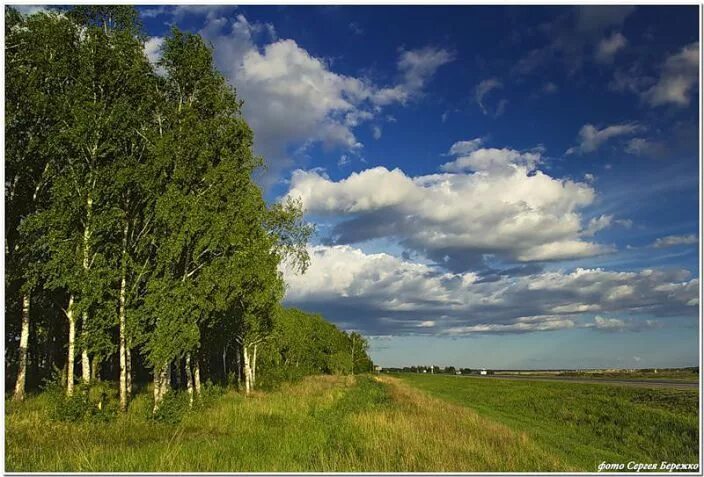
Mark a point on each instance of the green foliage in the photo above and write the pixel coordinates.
(176, 406)
(303, 344)
(88, 403)
(131, 196)
(172, 409)
(93, 402)
(72, 408)
(340, 362)
(210, 394)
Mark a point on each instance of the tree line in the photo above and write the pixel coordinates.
(435, 369)
(138, 246)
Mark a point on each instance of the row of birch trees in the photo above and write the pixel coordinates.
(138, 245)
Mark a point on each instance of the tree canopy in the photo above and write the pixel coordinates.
(135, 233)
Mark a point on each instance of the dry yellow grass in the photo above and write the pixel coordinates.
(421, 433)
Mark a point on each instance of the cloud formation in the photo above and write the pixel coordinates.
(489, 202)
(416, 67)
(492, 160)
(590, 138)
(152, 48)
(31, 9)
(585, 31)
(639, 146)
(673, 83)
(608, 47)
(678, 78)
(674, 240)
(293, 99)
(482, 90)
(465, 147)
(382, 294)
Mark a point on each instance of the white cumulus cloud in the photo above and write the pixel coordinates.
(381, 294)
(293, 99)
(491, 159)
(152, 48)
(492, 201)
(465, 147)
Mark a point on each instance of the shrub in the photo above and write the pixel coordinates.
(172, 408)
(209, 393)
(72, 408)
(89, 402)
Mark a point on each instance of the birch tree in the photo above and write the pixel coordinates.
(39, 65)
(207, 206)
(134, 225)
(105, 82)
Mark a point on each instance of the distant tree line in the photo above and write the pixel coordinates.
(138, 246)
(433, 369)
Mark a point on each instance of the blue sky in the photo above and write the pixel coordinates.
(506, 187)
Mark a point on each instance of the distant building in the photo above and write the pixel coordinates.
(458, 373)
(483, 372)
(377, 368)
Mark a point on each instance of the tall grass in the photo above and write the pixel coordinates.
(583, 424)
(320, 424)
(365, 423)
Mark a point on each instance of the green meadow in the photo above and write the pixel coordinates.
(582, 424)
(366, 423)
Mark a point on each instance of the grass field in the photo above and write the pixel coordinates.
(682, 374)
(687, 374)
(582, 424)
(364, 423)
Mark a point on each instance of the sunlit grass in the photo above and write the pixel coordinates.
(321, 424)
(582, 424)
(365, 423)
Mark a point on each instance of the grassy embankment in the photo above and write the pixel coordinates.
(582, 424)
(418, 423)
(320, 424)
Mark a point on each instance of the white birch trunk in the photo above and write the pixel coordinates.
(247, 371)
(128, 356)
(254, 367)
(165, 379)
(189, 380)
(24, 342)
(123, 349)
(71, 350)
(123, 324)
(157, 391)
(196, 376)
(162, 383)
(85, 361)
